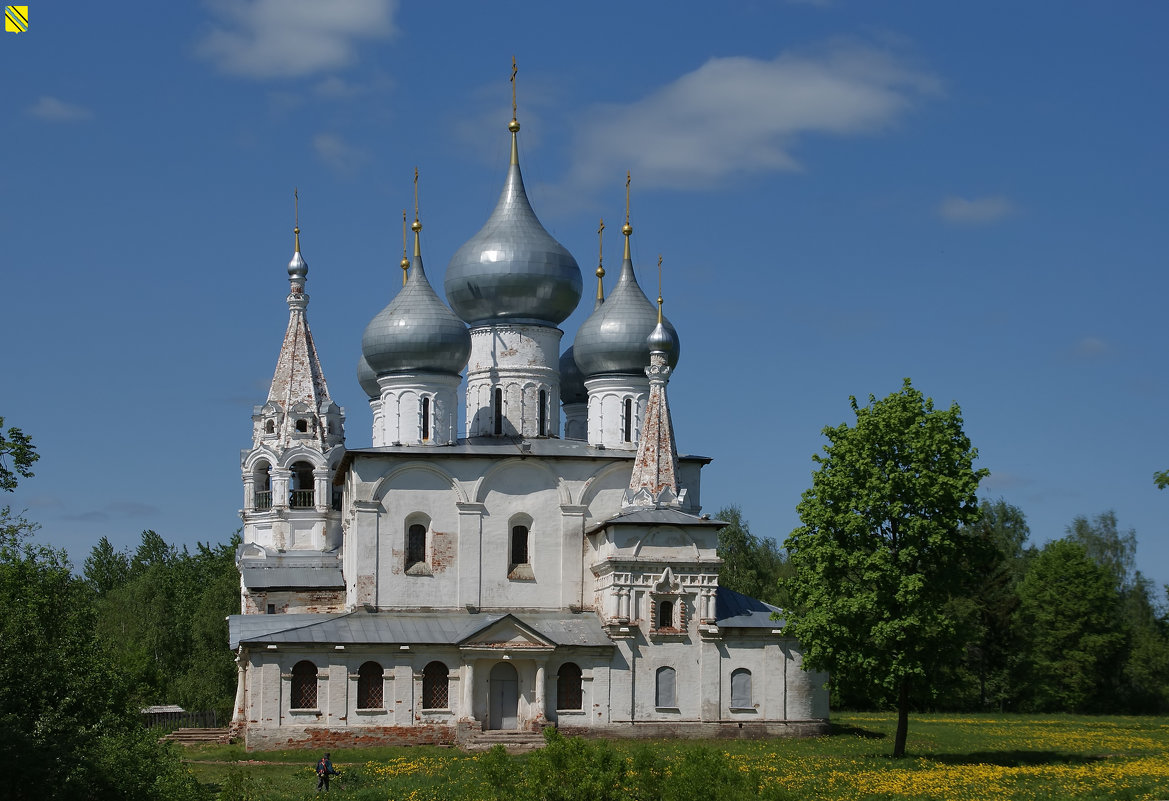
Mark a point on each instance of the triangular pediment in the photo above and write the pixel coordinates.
(507, 632)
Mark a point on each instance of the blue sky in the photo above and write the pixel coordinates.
(844, 194)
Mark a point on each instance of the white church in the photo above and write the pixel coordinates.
(547, 565)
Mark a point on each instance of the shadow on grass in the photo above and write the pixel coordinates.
(843, 729)
(1014, 759)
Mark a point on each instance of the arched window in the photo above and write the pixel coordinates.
(262, 485)
(498, 412)
(629, 420)
(302, 426)
(270, 427)
(519, 545)
(568, 683)
(301, 494)
(369, 686)
(665, 691)
(741, 689)
(543, 413)
(415, 545)
(666, 615)
(425, 419)
(304, 685)
(434, 686)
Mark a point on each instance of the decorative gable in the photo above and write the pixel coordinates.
(507, 633)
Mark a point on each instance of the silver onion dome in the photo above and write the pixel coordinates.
(368, 379)
(660, 340)
(613, 338)
(572, 386)
(416, 332)
(513, 269)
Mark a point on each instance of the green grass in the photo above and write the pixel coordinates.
(951, 757)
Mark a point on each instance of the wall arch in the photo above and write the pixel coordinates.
(386, 482)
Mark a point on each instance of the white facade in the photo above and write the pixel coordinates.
(431, 586)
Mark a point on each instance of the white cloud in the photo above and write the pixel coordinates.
(737, 115)
(54, 110)
(975, 211)
(1092, 347)
(290, 38)
(337, 153)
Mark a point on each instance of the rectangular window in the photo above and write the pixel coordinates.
(665, 695)
(519, 545)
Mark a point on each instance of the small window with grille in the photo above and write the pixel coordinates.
(435, 686)
(304, 685)
(369, 686)
(568, 687)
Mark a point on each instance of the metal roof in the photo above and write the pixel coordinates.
(409, 628)
(265, 577)
(656, 517)
(733, 610)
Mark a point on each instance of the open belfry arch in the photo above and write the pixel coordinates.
(545, 562)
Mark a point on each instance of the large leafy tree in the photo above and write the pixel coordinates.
(884, 547)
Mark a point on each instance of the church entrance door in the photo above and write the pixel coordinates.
(505, 697)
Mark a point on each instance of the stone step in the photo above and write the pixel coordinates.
(513, 741)
(185, 736)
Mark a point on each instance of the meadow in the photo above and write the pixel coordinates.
(951, 757)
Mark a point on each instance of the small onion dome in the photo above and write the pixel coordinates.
(572, 387)
(513, 269)
(613, 338)
(368, 379)
(298, 267)
(416, 332)
(660, 340)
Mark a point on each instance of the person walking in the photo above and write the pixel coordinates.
(324, 772)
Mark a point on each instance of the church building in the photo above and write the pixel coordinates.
(546, 563)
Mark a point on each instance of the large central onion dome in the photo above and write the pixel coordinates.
(612, 340)
(416, 332)
(513, 269)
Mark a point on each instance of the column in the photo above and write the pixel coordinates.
(538, 706)
(468, 709)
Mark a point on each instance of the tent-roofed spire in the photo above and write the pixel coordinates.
(299, 378)
(654, 482)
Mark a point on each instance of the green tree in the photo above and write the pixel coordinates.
(1003, 528)
(751, 565)
(1107, 546)
(1160, 478)
(68, 728)
(884, 547)
(17, 446)
(1068, 617)
(105, 569)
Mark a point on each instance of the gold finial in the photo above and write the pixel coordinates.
(601, 260)
(659, 289)
(405, 261)
(514, 125)
(296, 216)
(627, 229)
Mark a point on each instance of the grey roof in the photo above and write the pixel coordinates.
(513, 269)
(514, 446)
(416, 331)
(409, 628)
(733, 610)
(656, 517)
(613, 339)
(278, 576)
